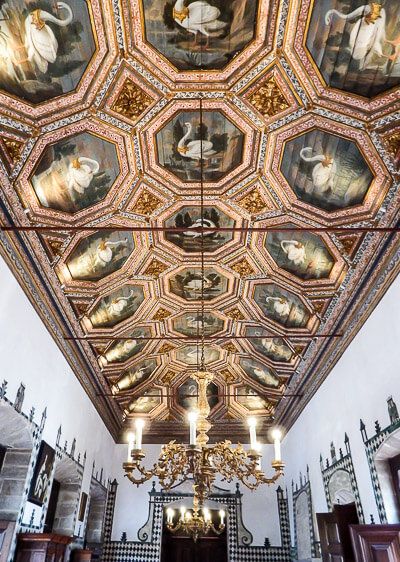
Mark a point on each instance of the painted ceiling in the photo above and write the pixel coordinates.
(103, 109)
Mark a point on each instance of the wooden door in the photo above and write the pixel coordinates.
(183, 549)
(376, 543)
(51, 509)
(334, 533)
(394, 465)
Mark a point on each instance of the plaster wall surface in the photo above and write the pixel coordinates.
(30, 356)
(358, 387)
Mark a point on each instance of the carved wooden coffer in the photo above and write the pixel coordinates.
(376, 543)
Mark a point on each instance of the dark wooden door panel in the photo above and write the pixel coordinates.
(376, 543)
(334, 533)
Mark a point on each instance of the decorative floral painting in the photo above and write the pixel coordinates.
(250, 399)
(124, 349)
(188, 391)
(191, 285)
(146, 403)
(273, 348)
(281, 306)
(100, 254)
(191, 354)
(196, 35)
(117, 306)
(259, 372)
(191, 218)
(45, 47)
(301, 253)
(326, 171)
(75, 173)
(190, 148)
(191, 324)
(356, 44)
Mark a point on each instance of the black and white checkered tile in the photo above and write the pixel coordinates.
(345, 462)
(304, 487)
(117, 551)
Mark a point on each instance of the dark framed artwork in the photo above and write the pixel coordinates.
(42, 474)
(82, 506)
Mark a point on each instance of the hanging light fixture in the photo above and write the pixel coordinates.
(199, 461)
(196, 522)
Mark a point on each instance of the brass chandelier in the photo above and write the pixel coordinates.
(196, 523)
(199, 461)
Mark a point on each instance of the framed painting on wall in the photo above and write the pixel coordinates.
(42, 474)
(82, 506)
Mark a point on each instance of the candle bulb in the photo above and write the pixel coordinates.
(276, 436)
(170, 515)
(222, 516)
(183, 511)
(252, 422)
(139, 424)
(192, 417)
(131, 445)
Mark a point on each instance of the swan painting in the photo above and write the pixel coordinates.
(97, 256)
(190, 324)
(106, 251)
(368, 31)
(199, 223)
(200, 34)
(117, 306)
(195, 149)
(124, 349)
(259, 372)
(199, 17)
(40, 41)
(280, 305)
(294, 250)
(190, 284)
(76, 172)
(324, 171)
(45, 47)
(353, 44)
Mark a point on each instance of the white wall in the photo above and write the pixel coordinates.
(260, 508)
(30, 355)
(358, 387)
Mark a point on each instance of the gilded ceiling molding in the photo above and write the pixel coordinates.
(155, 268)
(243, 268)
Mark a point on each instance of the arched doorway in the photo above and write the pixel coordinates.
(387, 462)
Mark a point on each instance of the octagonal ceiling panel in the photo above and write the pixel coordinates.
(190, 285)
(145, 403)
(274, 348)
(191, 354)
(176, 148)
(346, 53)
(327, 170)
(251, 401)
(51, 53)
(178, 48)
(123, 350)
(116, 307)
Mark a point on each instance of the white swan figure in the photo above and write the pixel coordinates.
(118, 305)
(196, 285)
(200, 223)
(324, 172)
(80, 173)
(198, 17)
(197, 149)
(104, 252)
(194, 322)
(266, 378)
(128, 345)
(281, 305)
(269, 345)
(40, 41)
(368, 33)
(294, 250)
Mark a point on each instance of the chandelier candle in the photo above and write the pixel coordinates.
(222, 516)
(252, 422)
(131, 444)
(277, 436)
(192, 417)
(139, 424)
